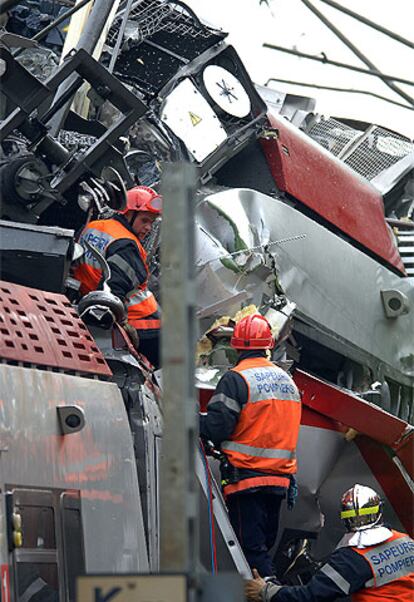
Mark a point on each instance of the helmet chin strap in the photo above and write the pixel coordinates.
(133, 218)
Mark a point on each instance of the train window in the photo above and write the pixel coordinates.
(37, 582)
(38, 527)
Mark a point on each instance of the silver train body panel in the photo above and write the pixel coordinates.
(98, 461)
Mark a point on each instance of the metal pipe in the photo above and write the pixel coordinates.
(118, 43)
(370, 23)
(336, 89)
(41, 34)
(357, 52)
(60, 19)
(373, 72)
(95, 24)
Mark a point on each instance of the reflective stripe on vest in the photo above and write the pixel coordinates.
(267, 430)
(392, 566)
(100, 234)
(140, 302)
(146, 324)
(267, 481)
(336, 577)
(258, 452)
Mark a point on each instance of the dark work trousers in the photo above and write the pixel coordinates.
(255, 520)
(149, 345)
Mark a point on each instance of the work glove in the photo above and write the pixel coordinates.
(269, 590)
(292, 492)
(260, 590)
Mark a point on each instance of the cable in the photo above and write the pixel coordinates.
(356, 51)
(366, 21)
(212, 532)
(249, 250)
(307, 85)
(324, 59)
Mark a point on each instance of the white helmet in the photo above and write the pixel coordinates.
(361, 508)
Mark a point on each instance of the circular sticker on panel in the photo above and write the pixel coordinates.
(226, 91)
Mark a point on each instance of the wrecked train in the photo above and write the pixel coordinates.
(305, 218)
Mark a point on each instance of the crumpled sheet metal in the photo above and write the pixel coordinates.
(335, 286)
(226, 283)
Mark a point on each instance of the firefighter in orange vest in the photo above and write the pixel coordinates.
(253, 418)
(371, 562)
(118, 239)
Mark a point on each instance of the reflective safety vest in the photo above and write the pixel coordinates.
(140, 301)
(392, 566)
(265, 437)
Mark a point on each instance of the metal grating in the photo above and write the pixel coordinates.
(43, 329)
(376, 151)
(332, 135)
(153, 16)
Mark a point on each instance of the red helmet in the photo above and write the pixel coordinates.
(143, 198)
(252, 332)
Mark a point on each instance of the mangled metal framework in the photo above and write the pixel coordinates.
(52, 171)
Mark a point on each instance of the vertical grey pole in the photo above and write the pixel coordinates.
(178, 489)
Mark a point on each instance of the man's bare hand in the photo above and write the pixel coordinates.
(253, 587)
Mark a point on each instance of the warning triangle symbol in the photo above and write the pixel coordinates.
(195, 119)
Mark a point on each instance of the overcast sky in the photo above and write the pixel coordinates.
(289, 23)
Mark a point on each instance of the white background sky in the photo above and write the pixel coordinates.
(289, 23)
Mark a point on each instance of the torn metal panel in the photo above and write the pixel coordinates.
(224, 281)
(345, 200)
(336, 287)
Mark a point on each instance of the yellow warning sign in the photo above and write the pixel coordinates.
(130, 588)
(195, 119)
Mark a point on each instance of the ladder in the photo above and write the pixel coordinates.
(222, 519)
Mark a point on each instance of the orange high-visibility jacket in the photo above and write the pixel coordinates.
(392, 566)
(140, 301)
(267, 431)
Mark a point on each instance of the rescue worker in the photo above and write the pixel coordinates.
(118, 239)
(371, 562)
(253, 418)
